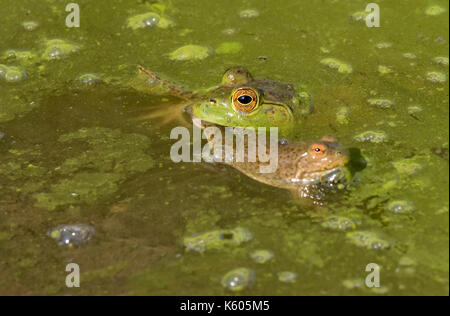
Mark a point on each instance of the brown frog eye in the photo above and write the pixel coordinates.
(318, 150)
(245, 100)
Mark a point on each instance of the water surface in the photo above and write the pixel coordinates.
(75, 153)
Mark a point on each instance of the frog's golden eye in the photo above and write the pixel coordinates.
(245, 100)
(318, 150)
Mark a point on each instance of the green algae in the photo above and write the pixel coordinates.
(30, 25)
(21, 56)
(249, 13)
(342, 115)
(238, 279)
(83, 188)
(407, 261)
(358, 284)
(190, 52)
(262, 255)
(340, 66)
(200, 219)
(287, 276)
(217, 239)
(359, 16)
(352, 284)
(111, 151)
(382, 69)
(20, 169)
(434, 10)
(383, 45)
(229, 48)
(72, 235)
(89, 78)
(14, 107)
(12, 73)
(304, 250)
(414, 109)
(441, 60)
(409, 166)
(436, 77)
(368, 239)
(22, 176)
(410, 55)
(58, 49)
(209, 192)
(371, 137)
(148, 20)
(113, 157)
(381, 103)
(338, 223)
(304, 100)
(400, 207)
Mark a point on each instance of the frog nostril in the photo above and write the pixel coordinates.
(212, 101)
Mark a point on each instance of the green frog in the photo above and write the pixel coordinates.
(238, 101)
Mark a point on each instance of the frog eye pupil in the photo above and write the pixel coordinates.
(318, 149)
(245, 99)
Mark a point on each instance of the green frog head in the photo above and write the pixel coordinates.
(239, 101)
(242, 101)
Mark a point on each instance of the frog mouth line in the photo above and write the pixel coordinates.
(204, 124)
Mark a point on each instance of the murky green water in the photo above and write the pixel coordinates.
(73, 153)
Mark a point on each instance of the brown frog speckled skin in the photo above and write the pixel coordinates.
(308, 169)
(299, 163)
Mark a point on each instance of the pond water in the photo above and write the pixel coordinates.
(72, 150)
